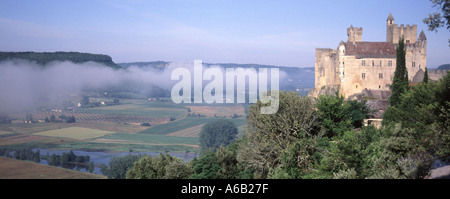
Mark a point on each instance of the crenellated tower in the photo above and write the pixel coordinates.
(394, 31)
(354, 34)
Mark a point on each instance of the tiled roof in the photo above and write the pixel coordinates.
(370, 49)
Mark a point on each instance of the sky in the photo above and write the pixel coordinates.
(281, 32)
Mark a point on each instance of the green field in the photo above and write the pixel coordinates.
(78, 133)
(177, 125)
(147, 139)
(139, 109)
(5, 132)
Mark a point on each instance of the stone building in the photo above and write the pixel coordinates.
(356, 65)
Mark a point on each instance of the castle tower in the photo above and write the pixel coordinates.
(390, 28)
(394, 31)
(422, 45)
(354, 34)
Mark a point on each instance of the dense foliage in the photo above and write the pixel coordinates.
(163, 166)
(118, 166)
(217, 133)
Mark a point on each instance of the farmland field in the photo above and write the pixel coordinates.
(5, 133)
(117, 128)
(188, 132)
(176, 125)
(217, 110)
(78, 133)
(138, 110)
(20, 139)
(147, 139)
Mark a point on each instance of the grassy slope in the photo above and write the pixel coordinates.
(17, 169)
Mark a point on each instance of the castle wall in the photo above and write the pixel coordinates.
(358, 77)
(437, 74)
(325, 70)
(394, 32)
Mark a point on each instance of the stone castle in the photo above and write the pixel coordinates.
(357, 66)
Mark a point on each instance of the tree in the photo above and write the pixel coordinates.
(177, 169)
(84, 101)
(425, 109)
(206, 166)
(435, 20)
(334, 114)
(228, 163)
(400, 81)
(68, 157)
(217, 133)
(116, 101)
(358, 111)
(425, 75)
(397, 154)
(37, 156)
(157, 168)
(346, 154)
(70, 119)
(268, 136)
(91, 167)
(118, 166)
(52, 118)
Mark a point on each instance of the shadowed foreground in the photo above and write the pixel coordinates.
(18, 169)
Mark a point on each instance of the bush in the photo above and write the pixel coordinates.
(145, 124)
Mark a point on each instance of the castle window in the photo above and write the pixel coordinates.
(407, 41)
(363, 75)
(363, 62)
(381, 63)
(414, 64)
(373, 63)
(380, 75)
(356, 86)
(379, 86)
(389, 63)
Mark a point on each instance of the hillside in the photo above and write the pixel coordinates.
(444, 67)
(44, 58)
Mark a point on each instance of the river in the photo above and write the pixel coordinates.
(103, 157)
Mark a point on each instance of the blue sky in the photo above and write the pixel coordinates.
(278, 32)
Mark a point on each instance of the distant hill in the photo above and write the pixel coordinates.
(444, 67)
(300, 80)
(44, 58)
